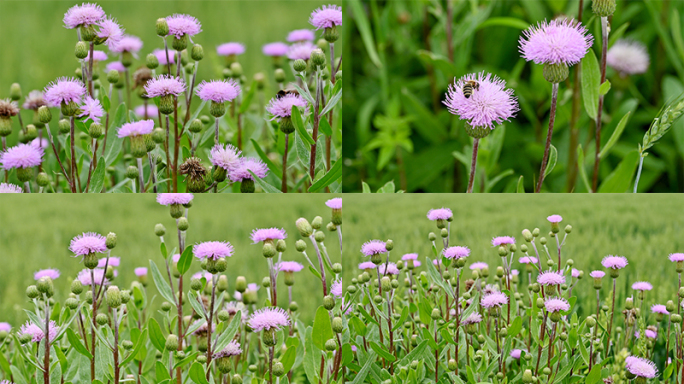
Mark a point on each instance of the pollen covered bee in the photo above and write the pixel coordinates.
(469, 87)
(289, 90)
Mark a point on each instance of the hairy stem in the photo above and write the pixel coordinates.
(604, 50)
(473, 163)
(552, 119)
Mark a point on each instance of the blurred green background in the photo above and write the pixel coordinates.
(398, 130)
(642, 228)
(36, 233)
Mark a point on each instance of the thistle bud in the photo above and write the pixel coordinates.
(195, 284)
(281, 246)
(603, 8)
(183, 224)
(45, 286)
(171, 342)
(236, 70)
(81, 50)
(151, 61)
(337, 325)
(76, 287)
(113, 297)
(670, 306)
(237, 379)
(241, 284)
(304, 227)
(330, 34)
(389, 245)
(268, 250)
(299, 65)
(15, 91)
(328, 302)
(71, 303)
(279, 75)
(330, 345)
(102, 319)
(319, 237)
(132, 172)
(197, 52)
(32, 292)
(196, 126)
(556, 73)
(113, 76)
(278, 369)
(293, 306)
(676, 318)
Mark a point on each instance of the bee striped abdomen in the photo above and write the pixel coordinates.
(467, 91)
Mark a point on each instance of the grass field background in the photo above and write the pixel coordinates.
(36, 234)
(645, 229)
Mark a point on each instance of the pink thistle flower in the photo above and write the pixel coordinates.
(181, 25)
(440, 214)
(111, 31)
(268, 234)
(416, 263)
(300, 35)
(515, 272)
(206, 275)
(473, 318)
(140, 271)
(91, 109)
(628, 57)
(246, 164)
(174, 198)
(388, 269)
(491, 103)
(438, 262)
(253, 287)
(575, 273)
(218, 91)
(642, 286)
(334, 203)
(10, 188)
(555, 219)
(161, 56)
(494, 299)
(300, 51)
(326, 16)
(528, 260)
(516, 354)
(367, 265)
(649, 334)
(83, 15)
(282, 107)
(21, 156)
(226, 157)
(597, 274)
(269, 318)
(275, 49)
(64, 90)
(456, 252)
(97, 56)
(641, 367)
(109, 261)
(556, 304)
(5, 327)
(230, 49)
(175, 258)
(614, 262)
(373, 247)
(659, 308)
(555, 42)
(88, 243)
(98, 273)
(128, 43)
(290, 266)
(336, 288)
(37, 333)
(410, 256)
(232, 349)
(212, 250)
(164, 85)
(137, 128)
(39, 143)
(51, 273)
(550, 278)
(115, 66)
(152, 111)
(479, 265)
(676, 257)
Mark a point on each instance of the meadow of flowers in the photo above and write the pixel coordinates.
(515, 96)
(130, 122)
(209, 327)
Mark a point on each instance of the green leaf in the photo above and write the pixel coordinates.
(322, 330)
(156, 336)
(162, 285)
(197, 374)
(553, 158)
(331, 103)
(97, 180)
(163, 250)
(161, 372)
(276, 170)
(425, 123)
(299, 126)
(288, 358)
(621, 178)
(594, 375)
(591, 77)
(229, 333)
(521, 185)
(114, 142)
(364, 30)
(333, 174)
(76, 343)
(504, 22)
(142, 340)
(268, 188)
(515, 327)
(325, 128)
(382, 351)
(365, 187)
(604, 88)
(248, 98)
(580, 167)
(361, 376)
(615, 136)
(185, 260)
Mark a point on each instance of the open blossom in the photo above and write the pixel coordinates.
(388, 269)
(5, 327)
(300, 35)
(161, 56)
(557, 41)
(137, 128)
(373, 247)
(109, 261)
(232, 349)
(35, 100)
(300, 51)
(367, 265)
(21, 156)
(183, 25)
(551, 278)
(151, 110)
(111, 31)
(440, 214)
(269, 318)
(115, 66)
(640, 367)
(275, 49)
(281, 107)
(37, 333)
(206, 275)
(614, 262)
(51, 273)
(473, 318)
(410, 256)
(85, 14)
(516, 353)
(40, 143)
(226, 157)
(479, 265)
(528, 260)
(290, 266)
(494, 299)
(230, 49)
(456, 252)
(88, 243)
(651, 334)
(642, 286)
(575, 273)
(628, 57)
(64, 90)
(140, 271)
(164, 85)
(676, 257)
(212, 250)
(97, 56)
(326, 16)
(128, 43)
(218, 91)
(174, 198)
(91, 109)
(597, 274)
(268, 234)
(334, 203)
(502, 240)
(554, 219)
(556, 304)
(659, 308)
(488, 105)
(98, 274)
(10, 188)
(246, 164)
(336, 288)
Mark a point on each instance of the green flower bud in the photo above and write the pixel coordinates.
(127, 344)
(102, 319)
(319, 237)
(436, 314)
(318, 57)
(299, 65)
(71, 303)
(330, 345)
(555, 73)
(236, 70)
(293, 306)
(15, 91)
(76, 287)
(268, 250)
(241, 284)
(337, 325)
(603, 8)
(171, 342)
(300, 245)
(81, 50)
(183, 224)
(328, 302)
(676, 318)
(197, 52)
(132, 172)
(162, 27)
(113, 76)
(113, 297)
(32, 292)
(304, 227)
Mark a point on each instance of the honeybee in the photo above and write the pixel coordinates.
(289, 90)
(469, 86)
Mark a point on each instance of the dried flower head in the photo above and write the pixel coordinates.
(560, 41)
(628, 57)
(35, 100)
(212, 250)
(269, 318)
(326, 16)
(218, 91)
(8, 108)
(21, 156)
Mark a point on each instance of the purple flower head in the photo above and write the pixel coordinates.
(51, 273)
(151, 109)
(290, 266)
(98, 273)
(281, 107)
(91, 109)
(494, 299)
(64, 90)
(555, 42)
(373, 247)
(478, 265)
(5, 327)
(40, 143)
(137, 128)
(651, 334)
(226, 157)
(410, 256)
(218, 91)
(175, 258)
(140, 271)
(502, 240)
(659, 308)
(326, 16)
(367, 265)
(181, 25)
(473, 318)
(212, 250)
(628, 57)
(111, 31)
(440, 214)
(641, 367)
(516, 353)
(551, 278)
(334, 203)
(416, 263)
(275, 49)
(490, 102)
(83, 15)
(230, 49)
(556, 304)
(164, 85)
(388, 269)
(575, 273)
(21, 156)
(336, 288)
(246, 164)
(253, 287)
(676, 257)
(88, 243)
(642, 286)
(37, 333)
(528, 260)
(555, 219)
(269, 318)
(109, 261)
(199, 275)
(614, 262)
(174, 198)
(268, 234)
(597, 274)
(456, 252)
(10, 188)
(97, 56)
(300, 51)
(127, 43)
(232, 349)
(300, 35)
(115, 66)
(161, 56)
